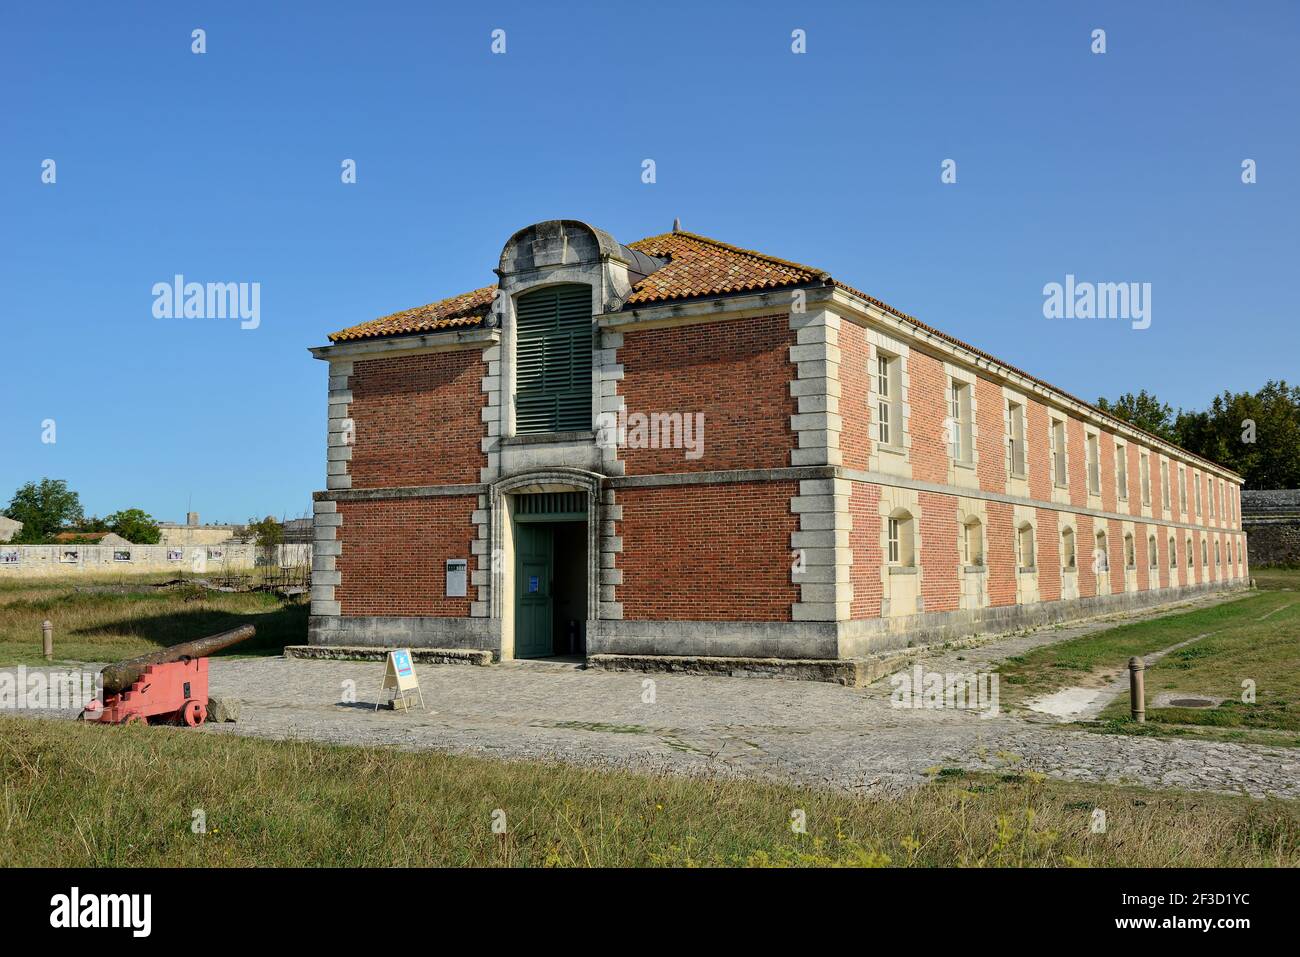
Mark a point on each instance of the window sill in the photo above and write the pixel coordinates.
(1019, 476)
(541, 438)
(1027, 571)
(1068, 570)
(975, 569)
(902, 569)
(891, 449)
(964, 465)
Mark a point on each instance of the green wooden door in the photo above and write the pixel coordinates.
(534, 611)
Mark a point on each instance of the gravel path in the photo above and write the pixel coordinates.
(805, 732)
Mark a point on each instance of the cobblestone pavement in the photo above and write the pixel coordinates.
(806, 732)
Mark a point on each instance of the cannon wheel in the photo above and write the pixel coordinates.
(193, 712)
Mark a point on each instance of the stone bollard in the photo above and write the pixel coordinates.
(1137, 689)
(47, 639)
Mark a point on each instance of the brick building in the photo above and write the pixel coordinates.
(681, 448)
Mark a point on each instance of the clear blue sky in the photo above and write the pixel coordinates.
(225, 167)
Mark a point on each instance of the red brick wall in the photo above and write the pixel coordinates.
(1048, 555)
(864, 539)
(736, 372)
(1109, 482)
(715, 552)
(1143, 557)
(940, 559)
(1077, 462)
(991, 440)
(1162, 556)
(1084, 542)
(927, 388)
(1115, 545)
(394, 551)
(418, 419)
(855, 395)
(1135, 480)
(999, 544)
(1040, 451)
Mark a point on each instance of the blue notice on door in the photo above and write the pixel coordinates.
(532, 584)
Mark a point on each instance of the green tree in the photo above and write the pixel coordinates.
(44, 508)
(1145, 411)
(266, 533)
(135, 525)
(1256, 434)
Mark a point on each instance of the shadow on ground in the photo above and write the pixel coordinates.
(286, 625)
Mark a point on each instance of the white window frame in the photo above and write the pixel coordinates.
(1121, 471)
(1060, 459)
(959, 409)
(889, 405)
(1017, 452)
(1092, 457)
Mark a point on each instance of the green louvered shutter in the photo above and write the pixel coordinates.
(553, 360)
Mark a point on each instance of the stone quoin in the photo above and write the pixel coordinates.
(860, 483)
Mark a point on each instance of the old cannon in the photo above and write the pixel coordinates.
(166, 686)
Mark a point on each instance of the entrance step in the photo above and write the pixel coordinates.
(428, 656)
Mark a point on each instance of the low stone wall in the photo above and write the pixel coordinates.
(1271, 520)
(71, 561)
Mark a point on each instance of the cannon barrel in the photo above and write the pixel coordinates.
(119, 677)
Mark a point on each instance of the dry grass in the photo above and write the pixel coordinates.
(107, 619)
(78, 795)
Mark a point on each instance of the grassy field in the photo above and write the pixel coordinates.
(113, 618)
(78, 795)
(1256, 638)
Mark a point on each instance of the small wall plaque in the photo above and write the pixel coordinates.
(457, 569)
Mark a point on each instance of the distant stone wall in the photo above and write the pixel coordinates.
(175, 535)
(50, 561)
(1271, 520)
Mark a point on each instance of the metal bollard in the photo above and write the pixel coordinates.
(1137, 689)
(47, 639)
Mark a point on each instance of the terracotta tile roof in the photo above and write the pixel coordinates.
(699, 266)
(467, 309)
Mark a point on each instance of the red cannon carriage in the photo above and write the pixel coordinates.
(168, 686)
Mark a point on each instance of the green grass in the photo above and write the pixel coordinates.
(81, 795)
(1255, 638)
(133, 618)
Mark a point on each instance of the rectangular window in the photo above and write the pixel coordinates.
(1016, 439)
(893, 541)
(1182, 489)
(1144, 469)
(1121, 471)
(889, 419)
(1094, 466)
(553, 331)
(960, 421)
(1164, 483)
(1196, 486)
(1059, 476)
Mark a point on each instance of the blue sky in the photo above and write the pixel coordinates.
(225, 167)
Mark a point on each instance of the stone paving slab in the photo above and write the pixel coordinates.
(804, 732)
